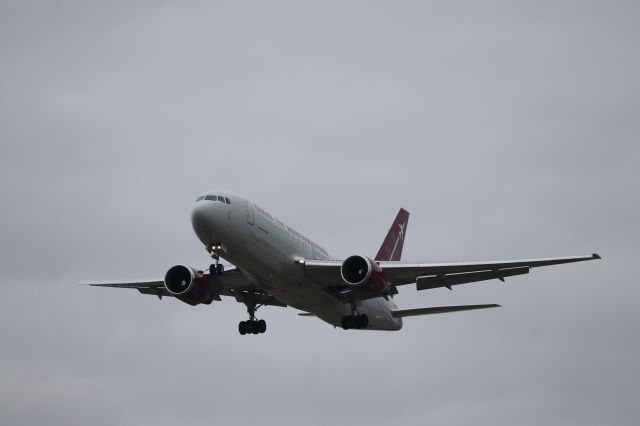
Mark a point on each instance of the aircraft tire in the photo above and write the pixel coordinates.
(262, 326)
(349, 322)
(363, 321)
(242, 328)
(255, 327)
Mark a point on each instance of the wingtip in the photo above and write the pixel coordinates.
(596, 256)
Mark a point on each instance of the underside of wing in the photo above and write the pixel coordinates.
(435, 275)
(438, 310)
(153, 287)
(232, 283)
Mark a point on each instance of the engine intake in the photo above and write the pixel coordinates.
(188, 285)
(363, 274)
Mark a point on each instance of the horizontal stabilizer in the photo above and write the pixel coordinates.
(439, 310)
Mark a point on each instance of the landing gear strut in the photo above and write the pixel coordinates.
(355, 320)
(215, 268)
(253, 325)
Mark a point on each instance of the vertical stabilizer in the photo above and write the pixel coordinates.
(391, 248)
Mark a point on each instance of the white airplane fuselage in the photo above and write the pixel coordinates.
(266, 249)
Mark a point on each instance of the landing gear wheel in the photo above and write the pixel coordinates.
(253, 326)
(363, 321)
(349, 322)
(215, 268)
(355, 321)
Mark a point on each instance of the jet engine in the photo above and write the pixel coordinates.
(363, 274)
(188, 285)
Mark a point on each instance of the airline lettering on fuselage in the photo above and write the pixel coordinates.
(274, 220)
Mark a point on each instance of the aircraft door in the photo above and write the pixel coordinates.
(250, 213)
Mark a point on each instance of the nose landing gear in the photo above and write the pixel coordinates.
(214, 250)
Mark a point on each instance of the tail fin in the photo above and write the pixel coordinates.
(391, 248)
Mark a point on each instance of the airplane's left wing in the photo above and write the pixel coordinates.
(231, 283)
(434, 275)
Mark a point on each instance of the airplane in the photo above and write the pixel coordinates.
(275, 265)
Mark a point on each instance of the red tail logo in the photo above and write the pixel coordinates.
(391, 248)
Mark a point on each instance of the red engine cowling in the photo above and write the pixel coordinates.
(187, 284)
(364, 274)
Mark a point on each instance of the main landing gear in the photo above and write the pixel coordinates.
(355, 320)
(253, 325)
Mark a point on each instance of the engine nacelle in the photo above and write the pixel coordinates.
(187, 284)
(364, 274)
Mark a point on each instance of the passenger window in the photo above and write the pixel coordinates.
(227, 200)
(211, 198)
(221, 199)
(200, 198)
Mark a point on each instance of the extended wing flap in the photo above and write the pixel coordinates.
(400, 273)
(435, 281)
(438, 310)
(434, 275)
(157, 291)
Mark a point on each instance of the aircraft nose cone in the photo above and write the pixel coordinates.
(207, 221)
(199, 216)
(199, 212)
(204, 217)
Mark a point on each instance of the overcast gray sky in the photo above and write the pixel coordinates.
(507, 129)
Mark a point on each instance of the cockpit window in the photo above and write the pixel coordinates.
(200, 198)
(220, 198)
(211, 198)
(227, 200)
